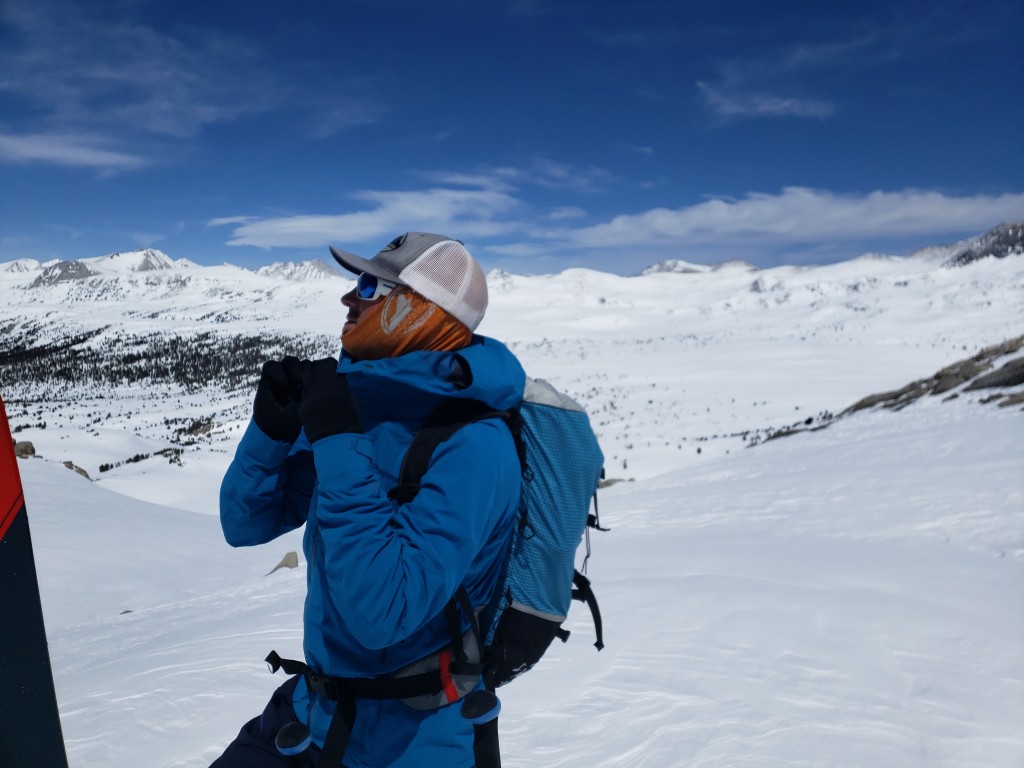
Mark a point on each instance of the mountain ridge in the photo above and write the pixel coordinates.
(1003, 240)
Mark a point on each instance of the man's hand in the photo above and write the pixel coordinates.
(327, 407)
(276, 406)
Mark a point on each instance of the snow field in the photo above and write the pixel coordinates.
(798, 604)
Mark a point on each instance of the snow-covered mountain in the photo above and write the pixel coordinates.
(638, 351)
(1002, 241)
(304, 270)
(20, 265)
(846, 596)
(146, 260)
(113, 264)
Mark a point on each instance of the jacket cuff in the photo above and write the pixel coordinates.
(257, 444)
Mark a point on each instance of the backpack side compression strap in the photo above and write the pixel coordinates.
(584, 593)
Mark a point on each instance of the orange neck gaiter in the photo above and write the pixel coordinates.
(403, 322)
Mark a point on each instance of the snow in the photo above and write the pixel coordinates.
(843, 597)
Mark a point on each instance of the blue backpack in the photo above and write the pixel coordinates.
(562, 466)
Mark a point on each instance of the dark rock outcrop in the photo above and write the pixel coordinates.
(1000, 242)
(975, 373)
(61, 272)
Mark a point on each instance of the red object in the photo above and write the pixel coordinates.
(12, 500)
(444, 660)
(30, 731)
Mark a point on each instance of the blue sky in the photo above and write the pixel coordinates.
(543, 133)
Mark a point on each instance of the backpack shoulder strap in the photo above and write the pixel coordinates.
(443, 422)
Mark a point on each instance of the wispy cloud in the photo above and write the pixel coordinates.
(70, 71)
(537, 171)
(230, 221)
(81, 71)
(334, 113)
(740, 104)
(640, 149)
(729, 104)
(851, 51)
(495, 180)
(146, 239)
(638, 38)
(778, 82)
(733, 100)
(552, 174)
(67, 150)
(566, 212)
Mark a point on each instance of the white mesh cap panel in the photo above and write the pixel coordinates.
(446, 274)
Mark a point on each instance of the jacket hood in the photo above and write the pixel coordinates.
(486, 370)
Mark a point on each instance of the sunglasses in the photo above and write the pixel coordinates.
(370, 287)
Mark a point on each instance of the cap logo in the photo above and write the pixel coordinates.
(396, 243)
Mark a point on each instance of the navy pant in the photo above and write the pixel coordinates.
(254, 745)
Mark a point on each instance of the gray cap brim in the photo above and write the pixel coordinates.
(357, 264)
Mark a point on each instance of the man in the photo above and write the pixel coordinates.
(324, 449)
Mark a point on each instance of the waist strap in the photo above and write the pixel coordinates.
(427, 689)
(428, 683)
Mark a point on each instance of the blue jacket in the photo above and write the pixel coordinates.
(379, 575)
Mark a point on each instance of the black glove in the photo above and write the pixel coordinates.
(276, 407)
(327, 408)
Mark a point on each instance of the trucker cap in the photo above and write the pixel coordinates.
(434, 266)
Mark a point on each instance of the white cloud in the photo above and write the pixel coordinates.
(478, 204)
(755, 226)
(798, 215)
(460, 212)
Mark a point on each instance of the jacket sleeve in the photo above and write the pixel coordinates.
(266, 490)
(389, 570)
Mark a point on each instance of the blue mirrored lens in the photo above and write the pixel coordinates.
(366, 286)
